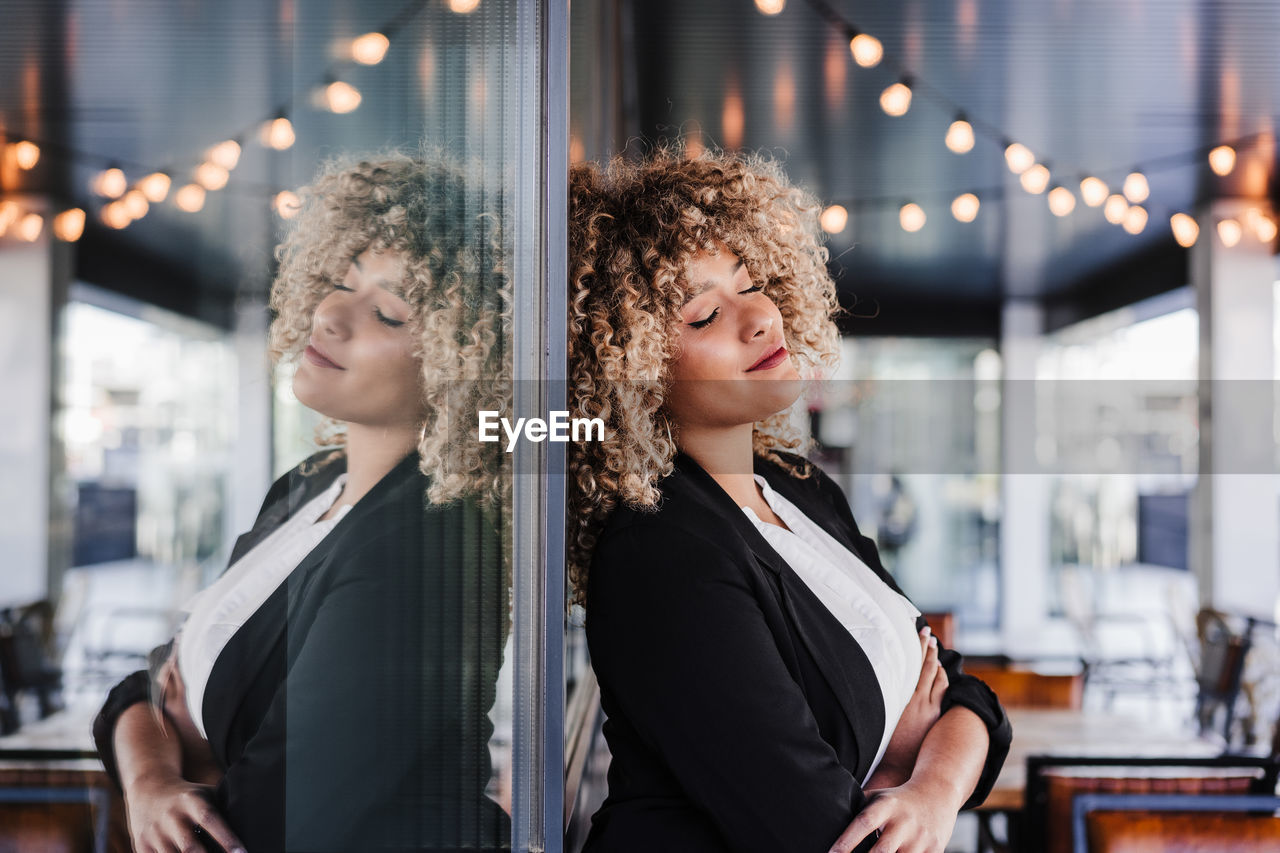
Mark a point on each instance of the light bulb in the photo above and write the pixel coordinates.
(1222, 160)
(1185, 229)
(896, 99)
(1135, 219)
(9, 211)
(1229, 232)
(911, 217)
(341, 97)
(1264, 227)
(960, 136)
(26, 153)
(155, 187)
(463, 7)
(1115, 209)
(370, 48)
(29, 227)
(225, 154)
(1036, 179)
(69, 225)
(135, 204)
(1019, 158)
(110, 183)
(834, 219)
(1136, 188)
(771, 7)
(866, 49)
(211, 176)
(1093, 191)
(965, 207)
(114, 215)
(1061, 201)
(190, 198)
(278, 134)
(286, 204)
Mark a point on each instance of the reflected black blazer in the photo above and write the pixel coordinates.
(741, 714)
(350, 712)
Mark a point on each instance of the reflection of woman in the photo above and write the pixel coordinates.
(764, 681)
(330, 690)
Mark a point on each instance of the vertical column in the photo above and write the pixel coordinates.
(251, 473)
(26, 352)
(1024, 522)
(1235, 523)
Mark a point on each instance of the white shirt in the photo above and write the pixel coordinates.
(219, 610)
(881, 621)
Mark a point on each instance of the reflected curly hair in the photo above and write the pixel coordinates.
(432, 210)
(633, 228)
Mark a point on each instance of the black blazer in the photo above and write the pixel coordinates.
(741, 714)
(350, 711)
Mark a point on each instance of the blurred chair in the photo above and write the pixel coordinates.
(25, 665)
(1133, 823)
(1025, 688)
(1053, 783)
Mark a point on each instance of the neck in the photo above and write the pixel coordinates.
(725, 453)
(371, 454)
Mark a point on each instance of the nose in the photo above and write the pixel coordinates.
(332, 316)
(758, 319)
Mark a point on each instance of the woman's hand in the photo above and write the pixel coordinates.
(915, 817)
(167, 813)
(198, 764)
(922, 711)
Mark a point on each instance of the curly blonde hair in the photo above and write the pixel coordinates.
(633, 228)
(431, 210)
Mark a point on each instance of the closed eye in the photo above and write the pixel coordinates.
(699, 324)
(755, 288)
(387, 321)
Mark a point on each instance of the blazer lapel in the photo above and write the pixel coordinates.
(842, 661)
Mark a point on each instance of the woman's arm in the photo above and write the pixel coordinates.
(919, 815)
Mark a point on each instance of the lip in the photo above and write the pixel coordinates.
(773, 359)
(319, 359)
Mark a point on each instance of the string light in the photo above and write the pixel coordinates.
(1018, 157)
(1136, 188)
(1093, 191)
(110, 183)
(30, 226)
(155, 187)
(1115, 209)
(1229, 232)
(1036, 179)
(340, 97)
(9, 211)
(960, 135)
(1135, 219)
(1264, 227)
(965, 207)
(463, 7)
(278, 133)
(69, 225)
(1222, 160)
(370, 48)
(225, 154)
(896, 99)
(834, 219)
(26, 154)
(116, 216)
(1185, 229)
(911, 217)
(286, 204)
(768, 7)
(211, 176)
(866, 49)
(1061, 201)
(135, 203)
(190, 198)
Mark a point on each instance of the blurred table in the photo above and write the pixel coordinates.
(1085, 733)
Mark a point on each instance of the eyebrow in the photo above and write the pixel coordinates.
(394, 288)
(703, 286)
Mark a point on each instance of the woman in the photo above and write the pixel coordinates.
(765, 685)
(330, 690)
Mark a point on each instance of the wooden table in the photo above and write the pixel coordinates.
(1084, 733)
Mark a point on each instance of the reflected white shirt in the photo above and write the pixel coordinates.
(881, 621)
(217, 612)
